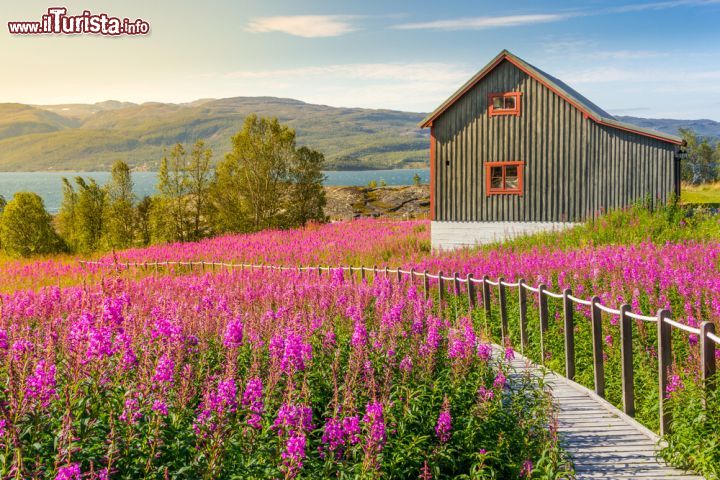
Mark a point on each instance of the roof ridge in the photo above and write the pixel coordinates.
(562, 89)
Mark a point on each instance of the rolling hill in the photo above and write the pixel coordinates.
(86, 137)
(91, 137)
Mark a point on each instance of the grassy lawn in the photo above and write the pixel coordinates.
(706, 193)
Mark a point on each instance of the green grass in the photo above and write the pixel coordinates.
(705, 193)
(669, 223)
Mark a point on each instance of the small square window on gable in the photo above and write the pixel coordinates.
(507, 103)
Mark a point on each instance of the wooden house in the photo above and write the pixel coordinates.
(516, 151)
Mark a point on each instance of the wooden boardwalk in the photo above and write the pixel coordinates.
(602, 441)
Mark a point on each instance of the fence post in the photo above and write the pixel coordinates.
(399, 275)
(471, 294)
(597, 340)
(569, 311)
(441, 287)
(412, 276)
(386, 271)
(456, 284)
(156, 268)
(203, 266)
(543, 309)
(626, 352)
(426, 284)
(319, 271)
(503, 313)
(707, 355)
(362, 273)
(374, 273)
(664, 354)
(486, 297)
(522, 302)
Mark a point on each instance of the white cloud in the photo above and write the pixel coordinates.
(639, 7)
(481, 23)
(308, 26)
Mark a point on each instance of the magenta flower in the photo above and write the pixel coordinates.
(160, 407)
(375, 424)
(509, 354)
(41, 384)
(164, 371)
(69, 472)
(499, 381)
(253, 399)
(443, 428)
(484, 351)
(233, 333)
(675, 384)
(485, 394)
(294, 454)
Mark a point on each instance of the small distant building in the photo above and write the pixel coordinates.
(517, 151)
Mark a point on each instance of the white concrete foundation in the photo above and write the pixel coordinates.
(451, 235)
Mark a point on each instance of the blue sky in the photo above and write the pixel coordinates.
(650, 59)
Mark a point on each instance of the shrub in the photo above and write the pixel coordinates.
(26, 227)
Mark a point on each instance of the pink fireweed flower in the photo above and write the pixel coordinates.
(375, 423)
(131, 412)
(293, 418)
(216, 404)
(406, 364)
(166, 329)
(351, 429)
(485, 394)
(674, 384)
(499, 381)
(41, 384)
(164, 371)
(509, 354)
(484, 351)
(360, 335)
(20, 348)
(609, 340)
(69, 472)
(160, 407)
(253, 400)
(333, 435)
(294, 454)
(296, 354)
(3, 339)
(443, 428)
(233, 333)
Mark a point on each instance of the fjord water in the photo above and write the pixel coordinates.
(48, 184)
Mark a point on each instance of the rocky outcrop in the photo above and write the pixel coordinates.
(345, 203)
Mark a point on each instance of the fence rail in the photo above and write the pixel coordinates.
(706, 333)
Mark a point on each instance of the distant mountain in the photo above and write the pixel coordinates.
(703, 128)
(92, 136)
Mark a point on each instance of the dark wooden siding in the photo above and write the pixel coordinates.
(574, 168)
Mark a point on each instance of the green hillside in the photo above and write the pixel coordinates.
(91, 137)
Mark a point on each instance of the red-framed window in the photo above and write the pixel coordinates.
(504, 178)
(507, 103)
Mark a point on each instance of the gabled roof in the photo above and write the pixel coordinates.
(588, 108)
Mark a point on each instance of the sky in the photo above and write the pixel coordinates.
(656, 59)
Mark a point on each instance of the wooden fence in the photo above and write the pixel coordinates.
(664, 323)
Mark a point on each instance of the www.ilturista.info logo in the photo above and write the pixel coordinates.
(57, 21)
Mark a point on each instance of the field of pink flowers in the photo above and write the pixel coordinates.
(132, 373)
(258, 375)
